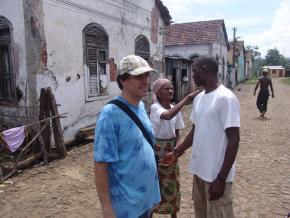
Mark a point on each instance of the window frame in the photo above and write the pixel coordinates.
(90, 96)
(145, 41)
(8, 43)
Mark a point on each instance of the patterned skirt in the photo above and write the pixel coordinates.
(168, 180)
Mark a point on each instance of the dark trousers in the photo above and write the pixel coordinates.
(262, 101)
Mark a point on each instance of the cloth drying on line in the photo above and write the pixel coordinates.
(13, 138)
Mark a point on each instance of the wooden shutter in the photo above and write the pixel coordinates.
(7, 80)
(93, 70)
(96, 41)
(142, 47)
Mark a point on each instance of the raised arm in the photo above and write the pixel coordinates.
(102, 185)
(169, 114)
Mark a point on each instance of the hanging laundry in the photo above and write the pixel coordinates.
(14, 137)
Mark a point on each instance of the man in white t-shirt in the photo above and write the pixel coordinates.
(215, 139)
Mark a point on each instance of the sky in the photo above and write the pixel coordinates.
(258, 22)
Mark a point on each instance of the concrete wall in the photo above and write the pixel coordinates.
(66, 72)
(54, 35)
(186, 51)
(241, 66)
(13, 10)
(249, 65)
(219, 52)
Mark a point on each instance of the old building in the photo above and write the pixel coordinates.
(237, 54)
(275, 71)
(74, 47)
(178, 70)
(194, 39)
(249, 68)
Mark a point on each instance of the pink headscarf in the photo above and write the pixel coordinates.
(157, 86)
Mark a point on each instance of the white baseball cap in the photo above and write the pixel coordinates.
(134, 65)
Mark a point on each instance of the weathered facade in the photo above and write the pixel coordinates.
(275, 71)
(238, 74)
(178, 70)
(204, 38)
(249, 70)
(73, 47)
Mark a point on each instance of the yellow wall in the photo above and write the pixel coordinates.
(276, 73)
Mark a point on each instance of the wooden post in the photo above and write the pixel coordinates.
(42, 149)
(57, 131)
(44, 112)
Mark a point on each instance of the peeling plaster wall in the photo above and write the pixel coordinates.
(13, 10)
(64, 22)
(186, 51)
(220, 50)
(36, 45)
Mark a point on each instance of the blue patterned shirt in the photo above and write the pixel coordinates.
(132, 171)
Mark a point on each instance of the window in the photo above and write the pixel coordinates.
(96, 55)
(7, 79)
(273, 71)
(184, 73)
(142, 47)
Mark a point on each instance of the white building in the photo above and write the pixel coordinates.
(203, 38)
(74, 47)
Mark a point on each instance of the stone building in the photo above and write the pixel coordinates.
(74, 47)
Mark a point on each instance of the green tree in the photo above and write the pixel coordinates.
(258, 62)
(274, 58)
(254, 49)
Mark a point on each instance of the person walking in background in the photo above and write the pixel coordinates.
(167, 120)
(125, 167)
(214, 138)
(263, 95)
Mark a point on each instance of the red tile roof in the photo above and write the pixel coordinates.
(203, 32)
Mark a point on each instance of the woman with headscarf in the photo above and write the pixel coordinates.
(166, 120)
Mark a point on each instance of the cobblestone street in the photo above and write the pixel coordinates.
(65, 188)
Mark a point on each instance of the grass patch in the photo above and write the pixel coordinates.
(253, 80)
(286, 81)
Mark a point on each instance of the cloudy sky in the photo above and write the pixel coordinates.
(258, 22)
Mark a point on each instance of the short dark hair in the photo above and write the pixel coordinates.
(122, 77)
(207, 63)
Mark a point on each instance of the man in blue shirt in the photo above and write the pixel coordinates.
(125, 167)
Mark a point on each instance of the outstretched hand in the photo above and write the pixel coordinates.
(195, 93)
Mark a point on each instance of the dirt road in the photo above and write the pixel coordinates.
(65, 188)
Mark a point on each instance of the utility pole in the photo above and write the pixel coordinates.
(234, 47)
(234, 54)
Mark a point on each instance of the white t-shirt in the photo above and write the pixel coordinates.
(212, 114)
(164, 129)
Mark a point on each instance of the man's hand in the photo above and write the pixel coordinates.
(169, 158)
(216, 189)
